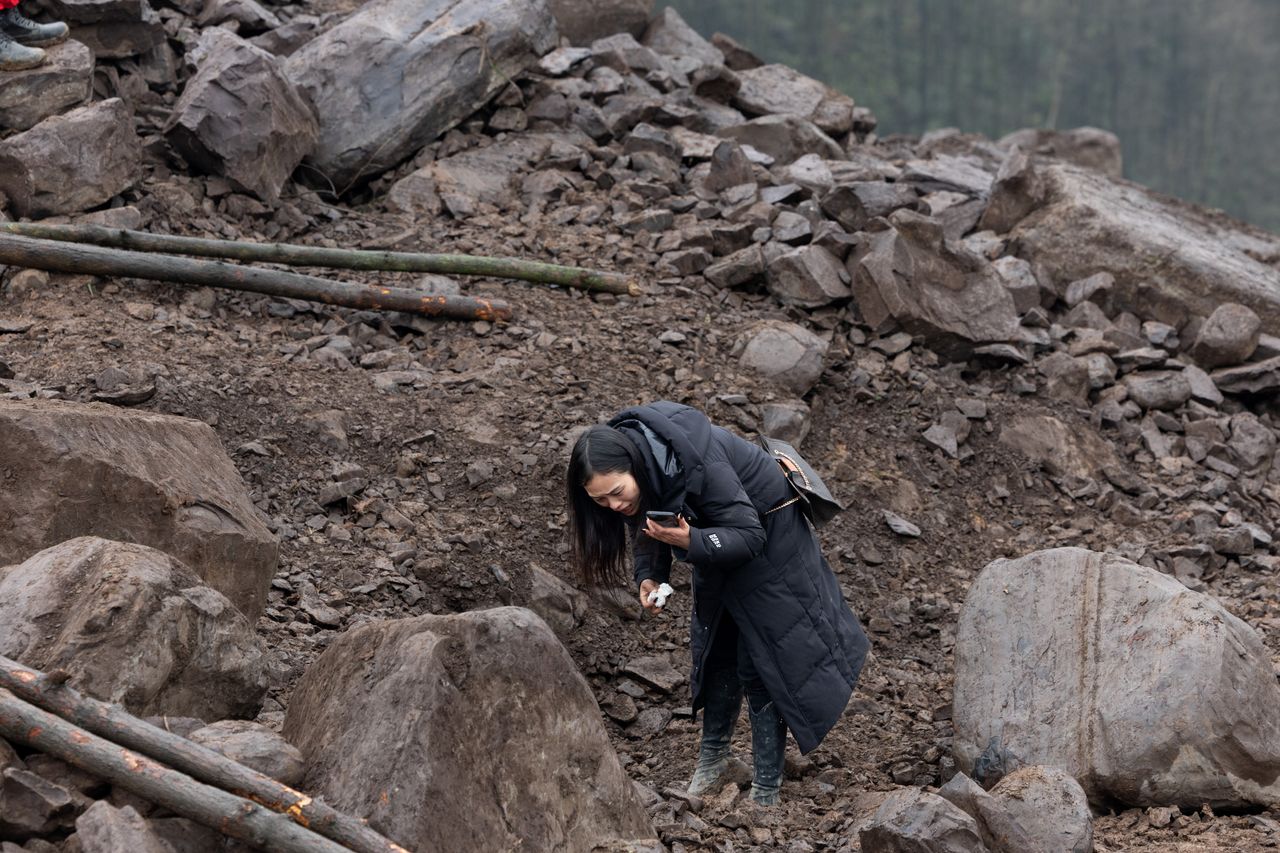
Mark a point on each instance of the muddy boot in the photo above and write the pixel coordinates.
(16, 57)
(724, 700)
(27, 32)
(768, 747)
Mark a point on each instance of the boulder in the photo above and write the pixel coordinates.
(254, 746)
(1082, 146)
(911, 820)
(780, 90)
(911, 276)
(103, 828)
(788, 354)
(1075, 450)
(398, 73)
(1228, 337)
(1018, 190)
(1032, 808)
(65, 81)
(73, 162)
(472, 731)
(809, 277)
(112, 29)
(1049, 808)
(1080, 660)
(785, 138)
(1171, 260)
(476, 176)
(584, 21)
(133, 626)
(157, 480)
(1158, 389)
(240, 117)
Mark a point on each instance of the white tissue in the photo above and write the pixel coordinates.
(658, 597)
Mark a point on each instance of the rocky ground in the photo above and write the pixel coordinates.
(412, 467)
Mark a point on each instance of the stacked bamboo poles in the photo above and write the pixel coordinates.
(41, 712)
(97, 250)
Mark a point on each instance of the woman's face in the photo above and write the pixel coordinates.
(617, 491)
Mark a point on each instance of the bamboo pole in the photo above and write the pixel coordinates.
(93, 260)
(319, 256)
(201, 763)
(24, 723)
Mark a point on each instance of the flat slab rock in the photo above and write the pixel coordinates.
(1081, 660)
(65, 81)
(153, 479)
(466, 732)
(655, 670)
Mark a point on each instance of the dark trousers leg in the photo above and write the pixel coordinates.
(722, 703)
(768, 731)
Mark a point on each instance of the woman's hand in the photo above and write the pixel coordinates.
(677, 536)
(646, 587)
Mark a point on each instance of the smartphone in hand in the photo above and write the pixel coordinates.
(663, 519)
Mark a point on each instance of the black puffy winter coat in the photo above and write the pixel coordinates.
(764, 568)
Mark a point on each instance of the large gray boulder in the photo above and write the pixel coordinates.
(911, 276)
(240, 117)
(398, 73)
(134, 626)
(466, 732)
(65, 81)
(1144, 691)
(584, 21)
(162, 481)
(786, 353)
(1171, 260)
(73, 162)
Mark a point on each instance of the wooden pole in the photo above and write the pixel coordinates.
(319, 256)
(201, 763)
(93, 260)
(21, 722)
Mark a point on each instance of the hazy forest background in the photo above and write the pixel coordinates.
(1191, 87)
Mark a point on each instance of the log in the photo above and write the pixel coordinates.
(319, 256)
(64, 257)
(201, 763)
(24, 723)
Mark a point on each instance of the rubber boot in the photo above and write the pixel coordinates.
(768, 747)
(27, 32)
(719, 716)
(17, 57)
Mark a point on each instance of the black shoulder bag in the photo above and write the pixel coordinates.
(811, 493)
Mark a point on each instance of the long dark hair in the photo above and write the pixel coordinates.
(597, 535)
